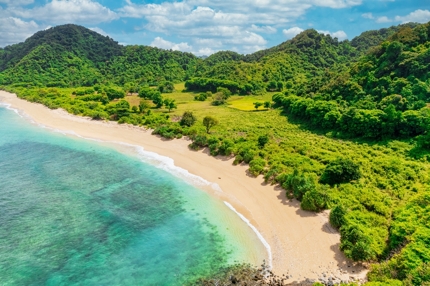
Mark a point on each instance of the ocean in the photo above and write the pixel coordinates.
(80, 212)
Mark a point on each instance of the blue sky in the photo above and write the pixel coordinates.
(206, 26)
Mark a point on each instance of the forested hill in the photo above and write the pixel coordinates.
(71, 55)
(384, 94)
(79, 41)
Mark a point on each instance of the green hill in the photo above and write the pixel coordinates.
(71, 55)
(382, 95)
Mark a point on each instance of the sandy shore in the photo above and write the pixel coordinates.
(303, 243)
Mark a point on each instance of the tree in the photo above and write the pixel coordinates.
(158, 100)
(188, 119)
(114, 93)
(341, 170)
(166, 87)
(143, 105)
(257, 105)
(267, 104)
(209, 122)
(262, 140)
(170, 104)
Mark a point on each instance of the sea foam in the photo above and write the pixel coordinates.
(259, 235)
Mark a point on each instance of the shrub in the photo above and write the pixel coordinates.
(263, 140)
(201, 97)
(337, 216)
(188, 119)
(199, 141)
(299, 183)
(340, 171)
(356, 244)
(256, 166)
(314, 200)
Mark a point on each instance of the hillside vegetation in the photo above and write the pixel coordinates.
(339, 125)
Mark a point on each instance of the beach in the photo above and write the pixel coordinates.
(302, 244)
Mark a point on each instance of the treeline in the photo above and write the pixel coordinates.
(356, 122)
(212, 85)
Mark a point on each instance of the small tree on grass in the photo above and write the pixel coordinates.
(158, 100)
(267, 104)
(143, 105)
(170, 104)
(209, 122)
(188, 119)
(257, 105)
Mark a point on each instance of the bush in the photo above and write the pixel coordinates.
(199, 141)
(201, 97)
(256, 166)
(299, 183)
(340, 171)
(188, 119)
(314, 200)
(356, 244)
(263, 140)
(337, 216)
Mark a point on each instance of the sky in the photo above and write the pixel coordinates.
(207, 26)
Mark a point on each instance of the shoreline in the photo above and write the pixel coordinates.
(303, 244)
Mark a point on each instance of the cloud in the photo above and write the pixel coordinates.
(237, 24)
(367, 16)
(341, 35)
(68, 11)
(419, 16)
(16, 2)
(263, 29)
(383, 19)
(15, 30)
(163, 44)
(98, 30)
(292, 32)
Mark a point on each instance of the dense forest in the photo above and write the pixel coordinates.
(345, 123)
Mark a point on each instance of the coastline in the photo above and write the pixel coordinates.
(303, 244)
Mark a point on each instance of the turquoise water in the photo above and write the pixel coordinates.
(77, 212)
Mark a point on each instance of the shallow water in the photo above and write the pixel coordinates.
(74, 211)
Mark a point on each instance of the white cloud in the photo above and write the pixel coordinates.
(98, 30)
(16, 2)
(367, 16)
(204, 52)
(163, 44)
(383, 19)
(68, 11)
(15, 30)
(341, 35)
(420, 16)
(292, 32)
(237, 23)
(263, 29)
